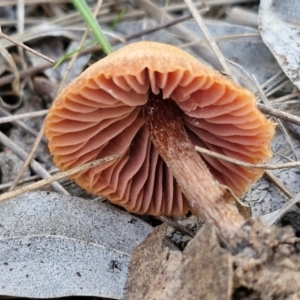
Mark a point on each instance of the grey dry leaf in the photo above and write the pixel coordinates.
(279, 27)
(53, 245)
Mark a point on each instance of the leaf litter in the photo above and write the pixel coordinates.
(246, 54)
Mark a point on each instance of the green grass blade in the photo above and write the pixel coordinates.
(92, 23)
(118, 18)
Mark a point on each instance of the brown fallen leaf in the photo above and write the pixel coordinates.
(259, 263)
(202, 271)
(146, 260)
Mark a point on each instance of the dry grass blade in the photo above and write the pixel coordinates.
(13, 118)
(180, 30)
(271, 218)
(22, 74)
(10, 118)
(56, 177)
(16, 78)
(280, 124)
(29, 158)
(176, 225)
(34, 164)
(213, 45)
(279, 184)
(6, 185)
(247, 165)
(279, 114)
(14, 41)
(41, 132)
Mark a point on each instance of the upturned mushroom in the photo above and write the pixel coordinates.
(152, 103)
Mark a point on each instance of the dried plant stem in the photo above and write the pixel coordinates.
(170, 222)
(6, 185)
(245, 164)
(41, 132)
(13, 118)
(183, 32)
(81, 44)
(29, 158)
(22, 74)
(56, 177)
(21, 124)
(34, 164)
(208, 199)
(279, 114)
(279, 122)
(280, 185)
(213, 45)
(26, 47)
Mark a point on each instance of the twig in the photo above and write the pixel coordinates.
(29, 158)
(13, 118)
(271, 218)
(56, 177)
(245, 164)
(279, 114)
(26, 47)
(176, 225)
(74, 57)
(279, 122)
(34, 164)
(279, 184)
(211, 42)
(160, 15)
(6, 185)
(31, 71)
(41, 133)
(21, 124)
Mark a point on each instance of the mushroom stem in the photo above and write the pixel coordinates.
(206, 198)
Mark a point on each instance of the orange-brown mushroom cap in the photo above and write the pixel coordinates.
(100, 114)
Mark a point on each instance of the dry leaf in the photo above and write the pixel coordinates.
(279, 27)
(201, 271)
(53, 245)
(263, 263)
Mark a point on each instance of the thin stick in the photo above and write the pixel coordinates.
(83, 38)
(41, 133)
(279, 184)
(29, 158)
(279, 122)
(31, 71)
(56, 177)
(6, 185)
(26, 47)
(213, 45)
(175, 225)
(245, 164)
(13, 118)
(22, 125)
(271, 218)
(279, 114)
(34, 164)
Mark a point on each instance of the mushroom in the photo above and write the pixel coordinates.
(152, 103)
